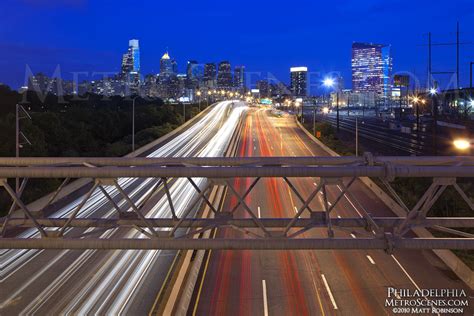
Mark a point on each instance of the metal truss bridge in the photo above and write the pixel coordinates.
(189, 229)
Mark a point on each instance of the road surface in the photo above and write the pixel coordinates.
(111, 282)
(306, 282)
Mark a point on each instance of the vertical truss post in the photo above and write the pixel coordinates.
(20, 203)
(425, 203)
(247, 208)
(327, 209)
(12, 207)
(203, 196)
(135, 208)
(168, 196)
(247, 192)
(302, 208)
(464, 196)
(111, 200)
(295, 191)
(55, 194)
(79, 207)
(188, 210)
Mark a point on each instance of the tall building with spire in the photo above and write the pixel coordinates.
(166, 65)
(130, 70)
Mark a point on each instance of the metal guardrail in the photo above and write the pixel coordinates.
(267, 233)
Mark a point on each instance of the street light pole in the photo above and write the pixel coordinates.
(470, 85)
(133, 123)
(17, 144)
(199, 104)
(17, 138)
(357, 136)
(434, 104)
(314, 119)
(184, 112)
(337, 110)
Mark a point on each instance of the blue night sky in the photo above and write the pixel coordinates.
(265, 36)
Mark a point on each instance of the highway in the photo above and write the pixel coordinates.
(112, 282)
(305, 282)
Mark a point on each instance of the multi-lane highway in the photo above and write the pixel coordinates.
(111, 282)
(305, 282)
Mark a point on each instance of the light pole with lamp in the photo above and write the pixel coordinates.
(330, 83)
(199, 104)
(133, 123)
(18, 133)
(434, 104)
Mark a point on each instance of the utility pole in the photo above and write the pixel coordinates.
(184, 112)
(133, 123)
(470, 72)
(18, 145)
(348, 109)
(429, 61)
(357, 136)
(434, 101)
(337, 110)
(457, 55)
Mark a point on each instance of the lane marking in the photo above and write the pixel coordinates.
(333, 301)
(370, 259)
(265, 300)
(258, 210)
(329, 203)
(353, 236)
(254, 147)
(349, 200)
(405, 271)
(296, 210)
(408, 276)
(315, 184)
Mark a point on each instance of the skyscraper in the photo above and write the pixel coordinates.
(239, 77)
(298, 83)
(191, 69)
(194, 74)
(372, 69)
(166, 65)
(131, 59)
(210, 75)
(224, 75)
(263, 87)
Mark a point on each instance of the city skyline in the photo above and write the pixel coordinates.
(323, 47)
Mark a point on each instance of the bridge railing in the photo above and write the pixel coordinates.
(180, 229)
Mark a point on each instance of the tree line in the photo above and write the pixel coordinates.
(80, 126)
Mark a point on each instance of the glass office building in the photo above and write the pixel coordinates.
(299, 81)
(372, 70)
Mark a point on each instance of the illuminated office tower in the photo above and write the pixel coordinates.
(130, 70)
(239, 77)
(298, 84)
(372, 69)
(224, 75)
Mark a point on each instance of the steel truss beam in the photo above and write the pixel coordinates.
(269, 233)
(384, 222)
(241, 244)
